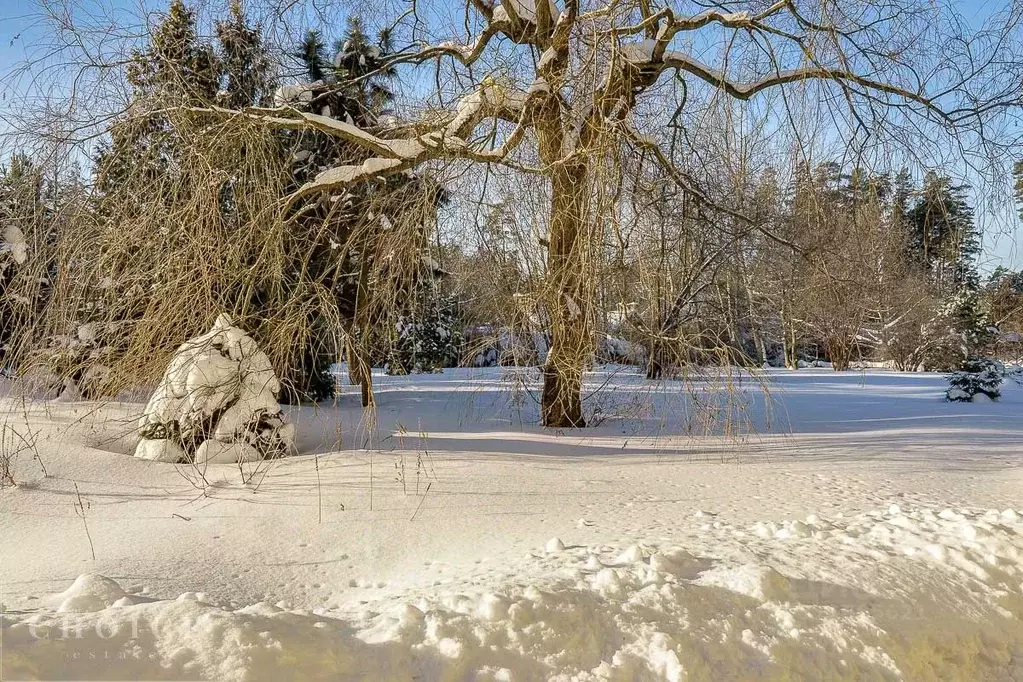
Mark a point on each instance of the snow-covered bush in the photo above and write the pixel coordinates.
(217, 403)
(976, 376)
(79, 361)
(14, 245)
(620, 350)
(505, 347)
(426, 340)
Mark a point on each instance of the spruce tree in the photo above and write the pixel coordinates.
(362, 256)
(176, 67)
(312, 51)
(244, 62)
(360, 68)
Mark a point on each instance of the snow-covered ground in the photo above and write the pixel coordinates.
(826, 526)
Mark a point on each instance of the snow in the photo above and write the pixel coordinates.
(89, 593)
(860, 528)
(526, 9)
(219, 393)
(345, 175)
(13, 242)
(735, 17)
(299, 93)
(546, 59)
(639, 51)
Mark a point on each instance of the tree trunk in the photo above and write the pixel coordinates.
(655, 361)
(561, 403)
(359, 366)
(367, 390)
(360, 372)
(353, 369)
(789, 344)
(758, 333)
(839, 353)
(758, 343)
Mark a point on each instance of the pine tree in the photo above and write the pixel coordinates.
(976, 376)
(23, 219)
(360, 68)
(354, 254)
(1017, 174)
(175, 69)
(902, 190)
(427, 338)
(35, 205)
(943, 236)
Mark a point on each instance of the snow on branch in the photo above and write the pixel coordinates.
(446, 140)
(393, 149)
(529, 11)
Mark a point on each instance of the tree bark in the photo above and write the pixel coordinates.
(561, 402)
(839, 353)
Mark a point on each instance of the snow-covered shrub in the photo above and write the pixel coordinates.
(426, 340)
(15, 247)
(79, 361)
(618, 350)
(217, 403)
(976, 376)
(505, 347)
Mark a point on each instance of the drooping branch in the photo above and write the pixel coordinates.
(690, 186)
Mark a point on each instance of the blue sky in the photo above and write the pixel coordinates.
(20, 39)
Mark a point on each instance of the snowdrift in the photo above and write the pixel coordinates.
(940, 582)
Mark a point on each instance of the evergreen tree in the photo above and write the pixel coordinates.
(22, 215)
(360, 68)
(243, 62)
(426, 337)
(312, 51)
(976, 376)
(371, 242)
(901, 191)
(1017, 174)
(176, 67)
(943, 236)
(29, 222)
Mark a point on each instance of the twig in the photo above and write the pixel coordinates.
(319, 490)
(80, 508)
(421, 500)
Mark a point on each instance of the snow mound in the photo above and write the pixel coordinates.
(87, 594)
(217, 403)
(784, 607)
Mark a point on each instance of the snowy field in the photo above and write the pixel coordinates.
(824, 526)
